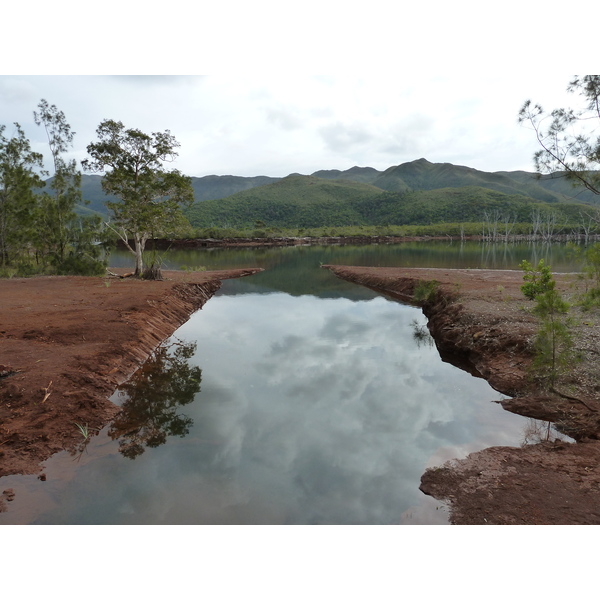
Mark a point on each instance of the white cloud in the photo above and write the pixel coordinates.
(275, 125)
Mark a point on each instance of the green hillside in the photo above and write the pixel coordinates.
(212, 187)
(423, 175)
(468, 204)
(295, 201)
(333, 197)
(360, 174)
(309, 202)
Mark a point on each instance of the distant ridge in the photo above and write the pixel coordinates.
(417, 175)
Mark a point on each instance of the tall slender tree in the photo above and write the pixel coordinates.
(18, 180)
(66, 240)
(57, 207)
(150, 196)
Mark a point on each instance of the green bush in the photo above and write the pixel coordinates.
(81, 264)
(538, 280)
(426, 291)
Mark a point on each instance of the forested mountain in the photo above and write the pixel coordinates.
(364, 195)
(309, 202)
(213, 187)
(295, 201)
(424, 175)
(210, 187)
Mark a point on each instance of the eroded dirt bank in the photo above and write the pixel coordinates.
(481, 322)
(66, 343)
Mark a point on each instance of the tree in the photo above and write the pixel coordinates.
(68, 242)
(553, 342)
(18, 181)
(150, 196)
(566, 135)
(57, 208)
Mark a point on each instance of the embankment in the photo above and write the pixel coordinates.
(481, 323)
(66, 343)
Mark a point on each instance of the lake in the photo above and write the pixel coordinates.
(292, 397)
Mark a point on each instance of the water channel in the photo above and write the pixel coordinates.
(292, 397)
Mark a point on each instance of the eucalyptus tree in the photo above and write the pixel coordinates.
(150, 197)
(57, 216)
(18, 181)
(68, 242)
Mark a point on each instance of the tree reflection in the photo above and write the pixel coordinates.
(536, 432)
(421, 334)
(153, 395)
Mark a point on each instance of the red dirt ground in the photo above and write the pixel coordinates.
(66, 343)
(482, 323)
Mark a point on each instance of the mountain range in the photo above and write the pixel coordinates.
(358, 182)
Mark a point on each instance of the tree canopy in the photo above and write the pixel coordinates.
(40, 232)
(150, 196)
(63, 239)
(18, 181)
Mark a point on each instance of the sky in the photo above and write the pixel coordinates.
(250, 125)
(241, 85)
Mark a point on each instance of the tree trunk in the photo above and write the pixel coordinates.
(140, 244)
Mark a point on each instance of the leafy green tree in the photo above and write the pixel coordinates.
(150, 196)
(18, 180)
(566, 135)
(65, 240)
(57, 207)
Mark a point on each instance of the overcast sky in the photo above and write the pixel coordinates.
(277, 125)
(442, 81)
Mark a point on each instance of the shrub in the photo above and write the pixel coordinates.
(426, 291)
(537, 280)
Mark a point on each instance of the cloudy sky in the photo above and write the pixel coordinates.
(276, 125)
(441, 81)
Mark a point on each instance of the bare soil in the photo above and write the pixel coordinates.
(66, 343)
(482, 323)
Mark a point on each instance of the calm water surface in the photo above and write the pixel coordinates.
(292, 397)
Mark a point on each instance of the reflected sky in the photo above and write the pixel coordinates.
(312, 410)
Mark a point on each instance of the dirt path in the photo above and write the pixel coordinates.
(66, 343)
(481, 323)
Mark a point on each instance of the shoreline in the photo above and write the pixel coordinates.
(347, 240)
(68, 342)
(480, 322)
